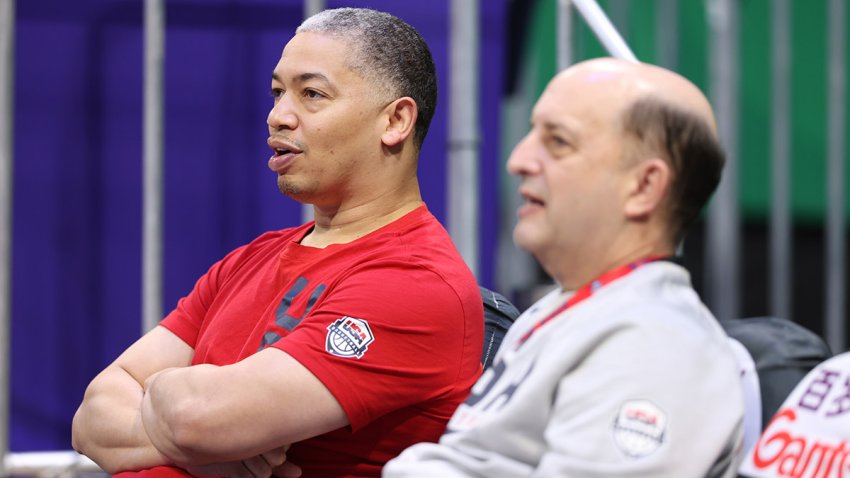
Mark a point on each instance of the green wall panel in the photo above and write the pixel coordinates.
(808, 108)
(808, 84)
(754, 143)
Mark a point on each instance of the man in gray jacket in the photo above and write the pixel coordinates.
(620, 371)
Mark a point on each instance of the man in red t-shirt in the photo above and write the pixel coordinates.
(331, 346)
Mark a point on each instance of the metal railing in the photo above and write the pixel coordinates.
(7, 70)
(50, 464)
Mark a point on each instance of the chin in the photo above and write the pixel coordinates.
(294, 190)
(524, 238)
(286, 187)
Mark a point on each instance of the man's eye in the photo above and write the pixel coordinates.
(312, 94)
(558, 142)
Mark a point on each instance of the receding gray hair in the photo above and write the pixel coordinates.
(690, 147)
(388, 51)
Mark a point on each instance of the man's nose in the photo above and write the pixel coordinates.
(523, 157)
(282, 115)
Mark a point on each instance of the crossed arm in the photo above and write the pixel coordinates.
(151, 408)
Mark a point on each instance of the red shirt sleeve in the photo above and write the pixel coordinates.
(389, 336)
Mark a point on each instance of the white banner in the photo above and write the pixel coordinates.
(809, 437)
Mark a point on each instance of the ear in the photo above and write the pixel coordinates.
(650, 180)
(401, 120)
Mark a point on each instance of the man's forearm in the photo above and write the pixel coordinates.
(210, 414)
(172, 401)
(108, 428)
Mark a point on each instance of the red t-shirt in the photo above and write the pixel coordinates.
(392, 324)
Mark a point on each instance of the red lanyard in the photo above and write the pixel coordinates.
(586, 291)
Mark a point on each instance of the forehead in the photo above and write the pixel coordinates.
(310, 53)
(588, 102)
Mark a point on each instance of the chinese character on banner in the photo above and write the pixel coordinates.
(841, 404)
(818, 389)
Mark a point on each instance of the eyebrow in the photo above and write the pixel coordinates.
(549, 125)
(304, 77)
(570, 132)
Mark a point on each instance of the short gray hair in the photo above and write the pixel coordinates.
(386, 50)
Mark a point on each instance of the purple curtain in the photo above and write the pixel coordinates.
(78, 171)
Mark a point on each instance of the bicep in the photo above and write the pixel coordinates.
(281, 399)
(583, 436)
(157, 350)
(631, 409)
(413, 340)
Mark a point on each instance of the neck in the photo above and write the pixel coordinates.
(584, 271)
(345, 223)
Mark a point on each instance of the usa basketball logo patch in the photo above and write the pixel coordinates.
(639, 428)
(349, 337)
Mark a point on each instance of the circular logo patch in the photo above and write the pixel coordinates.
(639, 428)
